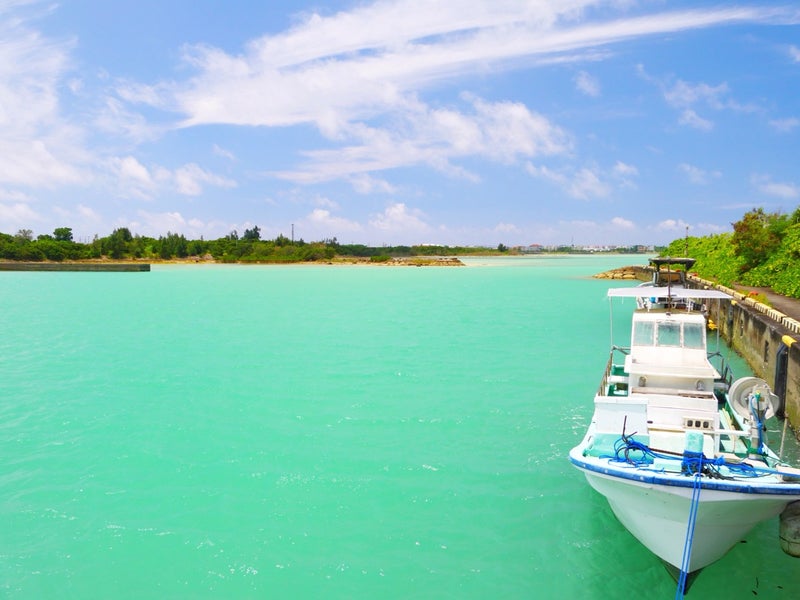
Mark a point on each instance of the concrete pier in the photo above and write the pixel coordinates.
(98, 267)
(768, 340)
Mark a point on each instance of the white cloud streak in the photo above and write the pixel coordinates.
(690, 118)
(359, 76)
(765, 185)
(585, 183)
(501, 132)
(135, 180)
(697, 175)
(785, 125)
(40, 148)
(400, 218)
(355, 63)
(341, 72)
(587, 84)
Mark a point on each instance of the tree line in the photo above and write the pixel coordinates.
(762, 251)
(247, 247)
(122, 244)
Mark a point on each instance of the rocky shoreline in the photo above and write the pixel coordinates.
(409, 261)
(144, 264)
(634, 272)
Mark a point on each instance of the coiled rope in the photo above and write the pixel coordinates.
(633, 452)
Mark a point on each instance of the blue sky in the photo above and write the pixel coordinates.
(398, 121)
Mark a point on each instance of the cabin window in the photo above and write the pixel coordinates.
(693, 335)
(669, 334)
(643, 334)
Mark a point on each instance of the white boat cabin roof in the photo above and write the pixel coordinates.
(663, 292)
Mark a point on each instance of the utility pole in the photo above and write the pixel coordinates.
(292, 234)
(686, 252)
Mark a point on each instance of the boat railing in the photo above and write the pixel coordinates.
(609, 374)
(725, 373)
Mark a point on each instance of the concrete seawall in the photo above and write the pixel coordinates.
(77, 266)
(767, 339)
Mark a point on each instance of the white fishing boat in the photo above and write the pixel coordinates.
(677, 449)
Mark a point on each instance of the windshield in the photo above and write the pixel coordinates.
(669, 333)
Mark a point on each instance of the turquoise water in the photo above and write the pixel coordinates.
(318, 432)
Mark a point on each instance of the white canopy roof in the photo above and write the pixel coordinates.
(663, 292)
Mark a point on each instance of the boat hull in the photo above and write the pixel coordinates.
(657, 515)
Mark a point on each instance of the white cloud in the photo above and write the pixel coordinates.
(87, 212)
(399, 218)
(559, 178)
(624, 174)
(135, 180)
(219, 151)
(765, 185)
(325, 224)
(684, 94)
(687, 97)
(679, 228)
(160, 223)
(692, 119)
(583, 183)
(506, 228)
(794, 53)
(18, 215)
(499, 131)
(39, 147)
(697, 175)
(672, 225)
(587, 184)
(115, 118)
(363, 76)
(322, 202)
(189, 180)
(625, 170)
(344, 71)
(132, 170)
(710, 228)
(13, 196)
(623, 223)
(785, 125)
(587, 84)
(365, 184)
(352, 63)
(132, 177)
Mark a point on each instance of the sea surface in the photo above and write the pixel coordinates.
(320, 432)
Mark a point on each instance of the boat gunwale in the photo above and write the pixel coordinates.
(633, 473)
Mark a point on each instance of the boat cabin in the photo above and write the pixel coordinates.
(668, 352)
(663, 385)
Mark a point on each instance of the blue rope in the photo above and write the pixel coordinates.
(631, 451)
(687, 545)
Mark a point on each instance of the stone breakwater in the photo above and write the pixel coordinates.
(634, 272)
(409, 261)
